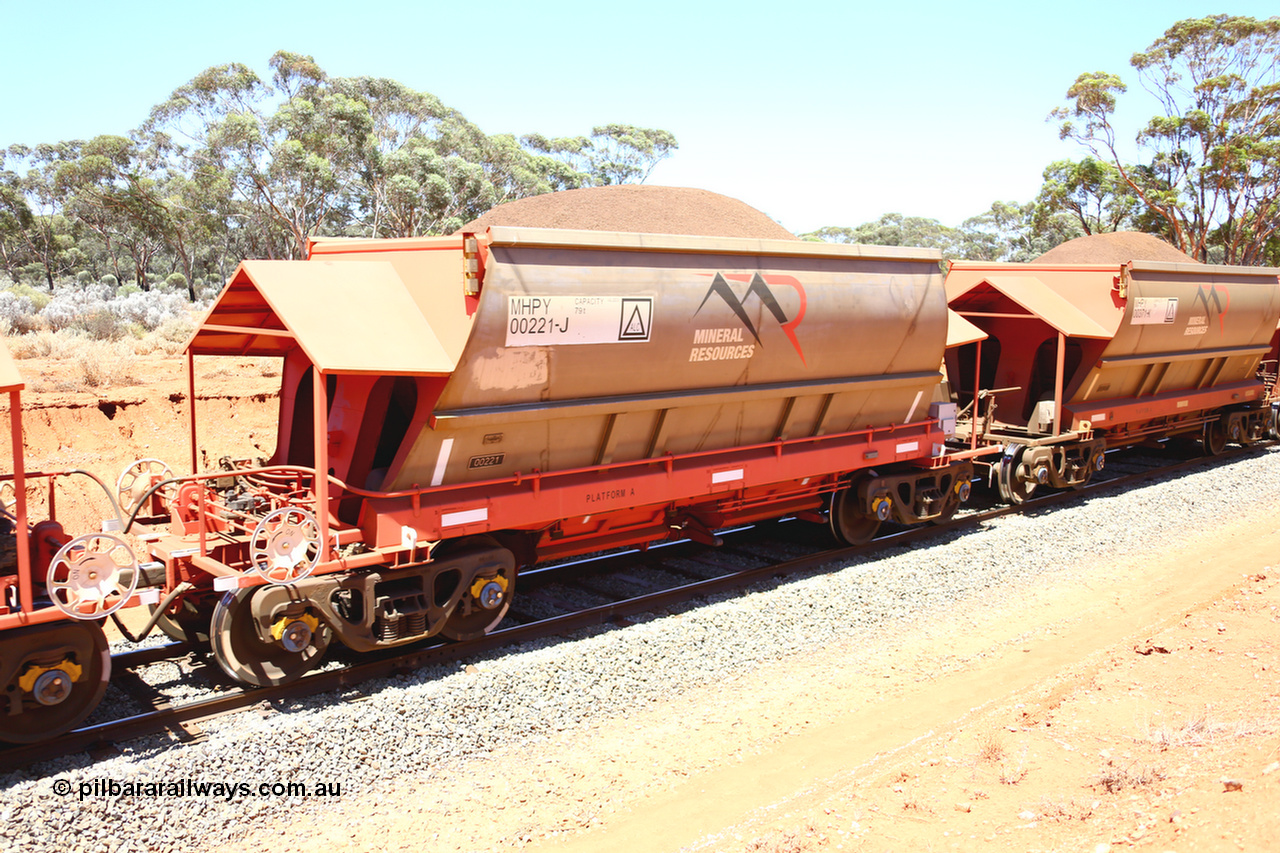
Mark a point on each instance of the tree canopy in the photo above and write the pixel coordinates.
(1210, 173)
(233, 165)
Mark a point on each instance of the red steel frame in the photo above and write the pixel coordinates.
(1108, 414)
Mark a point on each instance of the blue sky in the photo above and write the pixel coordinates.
(818, 113)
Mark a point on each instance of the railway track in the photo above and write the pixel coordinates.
(585, 592)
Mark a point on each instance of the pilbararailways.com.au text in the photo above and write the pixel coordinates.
(194, 788)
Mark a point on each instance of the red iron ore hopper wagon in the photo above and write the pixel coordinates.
(455, 408)
(1082, 358)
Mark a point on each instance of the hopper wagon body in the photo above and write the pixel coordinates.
(484, 402)
(1082, 358)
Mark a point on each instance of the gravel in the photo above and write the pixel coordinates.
(438, 721)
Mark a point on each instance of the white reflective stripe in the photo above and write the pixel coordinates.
(907, 447)
(466, 516)
(442, 461)
(149, 596)
(226, 582)
(726, 476)
(1098, 418)
(914, 403)
(1182, 404)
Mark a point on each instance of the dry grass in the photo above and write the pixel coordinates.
(778, 841)
(101, 364)
(1065, 810)
(1199, 730)
(106, 366)
(1114, 778)
(911, 804)
(71, 343)
(1011, 773)
(991, 748)
(46, 344)
(264, 367)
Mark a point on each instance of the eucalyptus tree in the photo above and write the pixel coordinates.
(894, 229)
(1006, 231)
(1013, 232)
(106, 188)
(289, 148)
(626, 154)
(306, 153)
(1212, 167)
(427, 170)
(49, 240)
(1090, 191)
(16, 220)
(613, 154)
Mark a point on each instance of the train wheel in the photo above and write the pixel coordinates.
(1214, 439)
(57, 674)
(849, 524)
(1014, 489)
(482, 607)
(244, 656)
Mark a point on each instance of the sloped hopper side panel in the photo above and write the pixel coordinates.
(584, 356)
(1186, 328)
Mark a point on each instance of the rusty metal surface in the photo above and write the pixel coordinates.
(431, 269)
(632, 346)
(1040, 300)
(1075, 298)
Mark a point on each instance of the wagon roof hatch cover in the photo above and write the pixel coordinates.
(960, 331)
(349, 317)
(10, 378)
(1031, 294)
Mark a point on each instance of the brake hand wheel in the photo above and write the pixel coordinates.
(136, 479)
(285, 546)
(92, 576)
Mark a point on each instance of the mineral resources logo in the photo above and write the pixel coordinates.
(729, 343)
